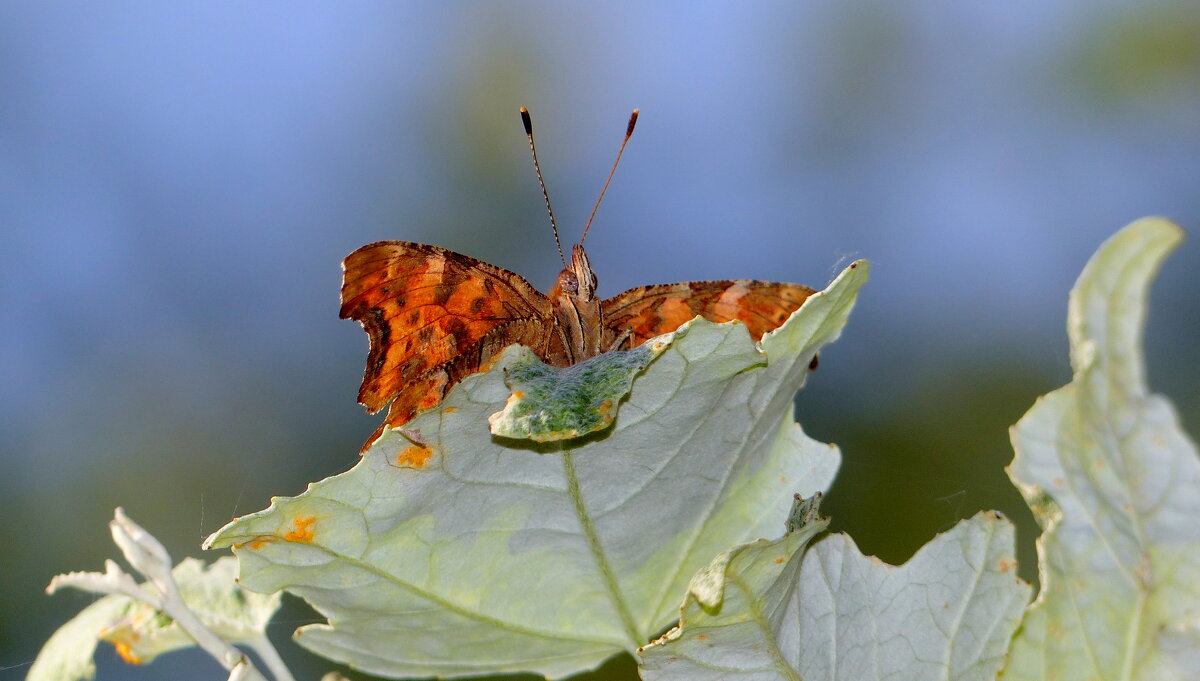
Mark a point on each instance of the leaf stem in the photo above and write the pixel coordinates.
(270, 657)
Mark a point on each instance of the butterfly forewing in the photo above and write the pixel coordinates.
(649, 311)
(423, 307)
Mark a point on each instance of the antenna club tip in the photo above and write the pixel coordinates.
(526, 121)
(632, 122)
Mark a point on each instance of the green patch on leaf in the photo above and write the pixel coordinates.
(549, 403)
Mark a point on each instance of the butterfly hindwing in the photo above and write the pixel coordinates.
(423, 307)
(648, 311)
(428, 390)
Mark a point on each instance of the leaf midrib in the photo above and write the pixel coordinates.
(454, 608)
(597, 551)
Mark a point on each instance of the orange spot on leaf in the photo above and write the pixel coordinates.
(257, 542)
(449, 410)
(779, 560)
(414, 456)
(303, 531)
(126, 653)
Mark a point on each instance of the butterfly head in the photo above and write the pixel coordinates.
(578, 280)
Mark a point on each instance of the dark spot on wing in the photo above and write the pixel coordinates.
(442, 293)
(454, 326)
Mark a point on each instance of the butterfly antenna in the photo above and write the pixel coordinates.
(538, 169)
(628, 133)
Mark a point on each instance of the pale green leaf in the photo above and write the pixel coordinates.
(449, 551)
(140, 633)
(825, 612)
(1115, 483)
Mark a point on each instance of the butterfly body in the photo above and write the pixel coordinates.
(578, 314)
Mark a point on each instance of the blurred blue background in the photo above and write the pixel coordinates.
(179, 182)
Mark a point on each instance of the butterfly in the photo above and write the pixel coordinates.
(435, 316)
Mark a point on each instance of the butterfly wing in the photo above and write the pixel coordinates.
(649, 311)
(425, 307)
(428, 390)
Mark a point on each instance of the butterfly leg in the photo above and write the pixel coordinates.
(620, 340)
(414, 436)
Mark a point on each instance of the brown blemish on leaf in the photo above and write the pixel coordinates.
(1005, 565)
(701, 637)
(779, 560)
(414, 456)
(303, 529)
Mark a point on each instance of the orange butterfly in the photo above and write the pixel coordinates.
(435, 316)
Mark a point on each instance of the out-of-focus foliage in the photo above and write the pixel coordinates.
(140, 632)
(1146, 52)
